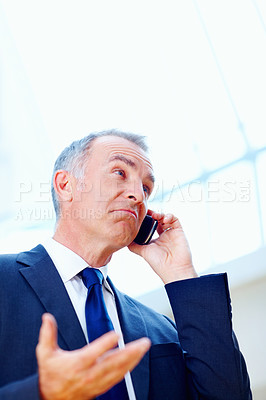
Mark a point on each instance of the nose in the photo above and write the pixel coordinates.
(136, 193)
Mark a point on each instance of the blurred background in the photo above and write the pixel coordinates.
(190, 75)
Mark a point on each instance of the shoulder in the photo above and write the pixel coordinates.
(10, 264)
(149, 312)
(7, 262)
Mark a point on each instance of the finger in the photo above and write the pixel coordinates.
(150, 212)
(128, 356)
(156, 215)
(171, 219)
(48, 334)
(168, 218)
(166, 222)
(161, 217)
(91, 352)
(113, 366)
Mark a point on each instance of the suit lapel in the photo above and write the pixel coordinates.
(41, 274)
(44, 279)
(133, 327)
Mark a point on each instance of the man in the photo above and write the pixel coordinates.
(101, 185)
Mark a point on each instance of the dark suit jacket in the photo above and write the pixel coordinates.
(204, 362)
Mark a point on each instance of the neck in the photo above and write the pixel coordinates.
(89, 248)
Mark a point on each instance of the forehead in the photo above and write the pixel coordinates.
(108, 146)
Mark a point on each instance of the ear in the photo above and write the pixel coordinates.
(63, 186)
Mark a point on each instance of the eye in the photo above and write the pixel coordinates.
(146, 189)
(120, 172)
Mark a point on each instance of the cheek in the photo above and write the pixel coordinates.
(143, 211)
(96, 193)
(106, 188)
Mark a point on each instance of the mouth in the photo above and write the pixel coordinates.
(126, 212)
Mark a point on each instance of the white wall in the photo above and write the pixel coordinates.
(249, 319)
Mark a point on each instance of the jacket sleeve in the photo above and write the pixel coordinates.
(202, 311)
(26, 389)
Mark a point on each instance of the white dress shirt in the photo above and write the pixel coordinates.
(69, 265)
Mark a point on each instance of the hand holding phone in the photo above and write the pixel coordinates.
(169, 255)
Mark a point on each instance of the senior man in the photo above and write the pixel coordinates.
(101, 186)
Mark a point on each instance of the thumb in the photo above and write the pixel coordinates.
(48, 334)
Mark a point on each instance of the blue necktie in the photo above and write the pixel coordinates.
(98, 322)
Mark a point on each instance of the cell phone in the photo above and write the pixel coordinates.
(146, 231)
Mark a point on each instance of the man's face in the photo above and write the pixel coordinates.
(110, 203)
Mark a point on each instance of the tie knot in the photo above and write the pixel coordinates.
(91, 276)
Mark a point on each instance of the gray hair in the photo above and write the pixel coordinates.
(74, 157)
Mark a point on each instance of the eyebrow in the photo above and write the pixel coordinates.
(122, 158)
(130, 163)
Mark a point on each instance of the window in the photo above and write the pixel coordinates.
(189, 75)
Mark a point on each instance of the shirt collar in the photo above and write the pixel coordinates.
(68, 263)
